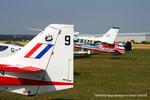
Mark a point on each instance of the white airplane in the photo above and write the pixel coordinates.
(44, 64)
(8, 49)
(108, 37)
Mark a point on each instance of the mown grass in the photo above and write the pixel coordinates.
(103, 74)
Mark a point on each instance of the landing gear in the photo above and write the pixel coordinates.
(2, 72)
(115, 52)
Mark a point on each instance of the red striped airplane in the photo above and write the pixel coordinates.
(40, 66)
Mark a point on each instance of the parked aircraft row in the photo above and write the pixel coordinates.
(42, 59)
(106, 43)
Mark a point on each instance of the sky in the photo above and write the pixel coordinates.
(88, 16)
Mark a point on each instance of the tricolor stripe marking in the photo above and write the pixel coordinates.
(38, 51)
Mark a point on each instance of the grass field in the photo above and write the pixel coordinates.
(103, 74)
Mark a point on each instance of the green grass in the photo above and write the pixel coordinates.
(103, 74)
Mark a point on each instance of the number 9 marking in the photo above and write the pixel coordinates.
(67, 40)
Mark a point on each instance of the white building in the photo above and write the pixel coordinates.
(137, 37)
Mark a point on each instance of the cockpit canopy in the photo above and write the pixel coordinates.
(2, 47)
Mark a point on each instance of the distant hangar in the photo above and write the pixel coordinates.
(137, 37)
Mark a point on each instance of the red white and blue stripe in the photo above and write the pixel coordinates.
(121, 46)
(38, 50)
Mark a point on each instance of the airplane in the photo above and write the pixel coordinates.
(109, 37)
(8, 49)
(40, 66)
(116, 49)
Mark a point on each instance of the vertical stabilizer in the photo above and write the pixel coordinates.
(110, 36)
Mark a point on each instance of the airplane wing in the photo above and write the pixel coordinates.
(10, 68)
(95, 48)
(89, 47)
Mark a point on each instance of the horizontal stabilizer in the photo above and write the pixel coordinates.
(10, 68)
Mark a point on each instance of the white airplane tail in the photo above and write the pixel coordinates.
(44, 64)
(110, 36)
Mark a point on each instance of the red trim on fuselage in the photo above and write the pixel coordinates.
(109, 47)
(33, 50)
(119, 49)
(21, 81)
(11, 68)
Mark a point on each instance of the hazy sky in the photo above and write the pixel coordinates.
(88, 16)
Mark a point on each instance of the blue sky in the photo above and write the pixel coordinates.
(88, 16)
